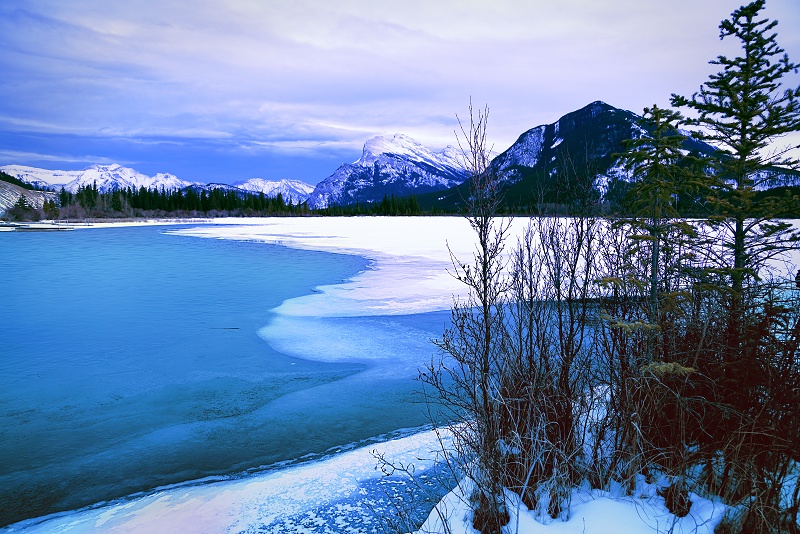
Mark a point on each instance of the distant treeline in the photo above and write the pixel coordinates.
(390, 205)
(90, 202)
(143, 202)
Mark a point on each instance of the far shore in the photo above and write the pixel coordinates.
(110, 223)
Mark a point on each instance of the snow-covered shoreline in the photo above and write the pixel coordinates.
(279, 499)
(591, 512)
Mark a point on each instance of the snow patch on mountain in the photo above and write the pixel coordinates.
(525, 152)
(406, 147)
(616, 172)
(777, 177)
(528, 148)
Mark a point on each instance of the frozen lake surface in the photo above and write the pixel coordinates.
(134, 358)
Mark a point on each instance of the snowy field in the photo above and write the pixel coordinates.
(408, 274)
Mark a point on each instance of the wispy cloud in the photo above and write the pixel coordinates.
(317, 76)
(16, 155)
(307, 145)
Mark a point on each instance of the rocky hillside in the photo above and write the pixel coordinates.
(10, 194)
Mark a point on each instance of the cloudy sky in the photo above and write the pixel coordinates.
(223, 90)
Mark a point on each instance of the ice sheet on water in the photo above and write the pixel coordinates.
(396, 345)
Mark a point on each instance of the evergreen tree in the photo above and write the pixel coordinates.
(742, 110)
(663, 174)
(116, 201)
(64, 197)
(50, 209)
(654, 161)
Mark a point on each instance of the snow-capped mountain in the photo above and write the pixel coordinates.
(584, 146)
(396, 165)
(107, 178)
(592, 134)
(41, 178)
(576, 156)
(293, 190)
(403, 146)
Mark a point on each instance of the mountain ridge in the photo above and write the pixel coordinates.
(295, 190)
(111, 177)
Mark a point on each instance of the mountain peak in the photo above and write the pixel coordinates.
(404, 147)
(398, 144)
(105, 166)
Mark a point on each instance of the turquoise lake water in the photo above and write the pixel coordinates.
(131, 359)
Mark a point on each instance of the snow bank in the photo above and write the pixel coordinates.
(270, 502)
(592, 512)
